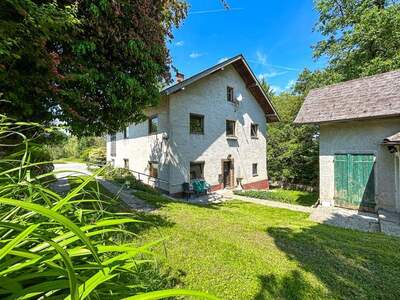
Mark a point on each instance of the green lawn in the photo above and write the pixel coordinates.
(287, 196)
(245, 251)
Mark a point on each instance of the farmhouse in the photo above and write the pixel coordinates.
(211, 126)
(359, 141)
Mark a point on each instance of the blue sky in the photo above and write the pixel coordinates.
(275, 36)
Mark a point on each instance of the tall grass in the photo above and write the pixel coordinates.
(63, 246)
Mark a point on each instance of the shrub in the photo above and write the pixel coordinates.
(97, 156)
(124, 176)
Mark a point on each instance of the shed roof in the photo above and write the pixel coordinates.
(375, 96)
(242, 67)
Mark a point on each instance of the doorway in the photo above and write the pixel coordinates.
(355, 181)
(227, 173)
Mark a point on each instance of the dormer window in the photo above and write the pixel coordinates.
(230, 94)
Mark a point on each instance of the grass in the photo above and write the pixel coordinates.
(240, 250)
(287, 196)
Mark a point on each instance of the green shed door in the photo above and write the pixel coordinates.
(354, 180)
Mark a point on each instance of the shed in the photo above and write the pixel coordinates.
(359, 141)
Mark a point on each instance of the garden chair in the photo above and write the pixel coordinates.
(187, 190)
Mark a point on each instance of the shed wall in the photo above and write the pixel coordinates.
(359, 137)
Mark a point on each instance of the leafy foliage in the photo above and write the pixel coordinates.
(292, 150)
(67, 247)
(124, 176)
(74, 147)
(361, 37)
(94, 65)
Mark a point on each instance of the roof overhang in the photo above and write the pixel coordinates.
(392, 140)
(251, 81)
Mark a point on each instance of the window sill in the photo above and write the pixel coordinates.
(255, 175)
(197, 133)
(231, 137)
(254, 137)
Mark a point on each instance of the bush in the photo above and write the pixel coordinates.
(97, 156)
(124, 176)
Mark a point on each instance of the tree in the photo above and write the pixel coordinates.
(94, 65)
(361, 37)
(292, 150)
(267, 89)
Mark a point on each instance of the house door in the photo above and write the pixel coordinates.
(227, 167)
(355, 180)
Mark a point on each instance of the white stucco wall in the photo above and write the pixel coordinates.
(208, 97)
(140, 147)
(362, 137)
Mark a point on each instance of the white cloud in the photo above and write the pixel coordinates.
(179, 43)
(276, 89)
(261, 57)
(270, 74)
(290, 84)
(222, 59)
(196, 54)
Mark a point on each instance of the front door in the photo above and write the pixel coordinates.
(354, 180)
(226, 168)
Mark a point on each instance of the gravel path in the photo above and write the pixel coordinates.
(61, 186)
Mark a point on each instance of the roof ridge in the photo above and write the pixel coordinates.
(355, 79)
(227, 61)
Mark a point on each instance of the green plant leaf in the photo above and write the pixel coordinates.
(73, 283)
(171, 293)
(54, 216)
(19, 238)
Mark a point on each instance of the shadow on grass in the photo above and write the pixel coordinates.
(307, 200)
(159, 201)
(350, 264)
(291, 286)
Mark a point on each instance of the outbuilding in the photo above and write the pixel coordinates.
(359, 141)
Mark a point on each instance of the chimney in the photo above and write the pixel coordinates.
(179, 77)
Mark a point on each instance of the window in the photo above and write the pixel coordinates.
(113, 139)
(126, 132)
(153, 167)
(230, 128)
(254, 130)
(153, 124)
(126, 163)
(196, 124)
(196, 170)
(255, 171)
(229, 94)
